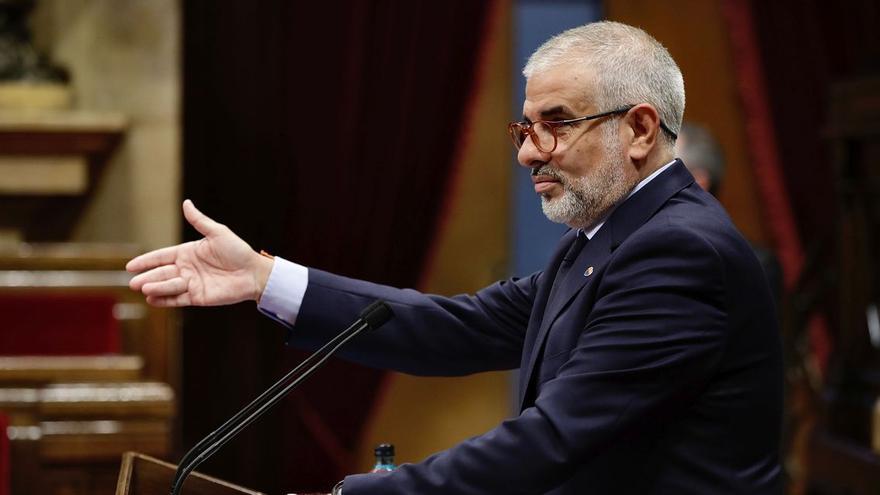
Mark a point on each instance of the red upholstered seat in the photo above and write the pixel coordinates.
(58, 324)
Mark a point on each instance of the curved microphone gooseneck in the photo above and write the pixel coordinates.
(370, 318)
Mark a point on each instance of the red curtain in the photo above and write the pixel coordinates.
(806, 46)
(325, 134)
(789, 53)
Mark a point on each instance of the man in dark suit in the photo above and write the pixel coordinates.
(648, 351)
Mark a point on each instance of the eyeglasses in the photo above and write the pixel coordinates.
(543, 132)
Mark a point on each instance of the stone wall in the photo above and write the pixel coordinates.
(124, 56)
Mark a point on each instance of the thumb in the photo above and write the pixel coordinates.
(199, 220)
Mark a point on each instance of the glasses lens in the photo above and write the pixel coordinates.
(543, 133)
(517, 134)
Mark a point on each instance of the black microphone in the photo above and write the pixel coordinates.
(372, 317)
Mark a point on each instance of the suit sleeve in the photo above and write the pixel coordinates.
(656, 331)
(429, 335)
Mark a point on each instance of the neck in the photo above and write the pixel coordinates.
(656, 159)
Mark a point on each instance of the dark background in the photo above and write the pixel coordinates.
(323, 133)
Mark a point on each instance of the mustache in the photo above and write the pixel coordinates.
(549, 172)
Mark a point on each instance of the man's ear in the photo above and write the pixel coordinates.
(644, 126)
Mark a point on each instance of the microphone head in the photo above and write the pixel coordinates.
(377, 314)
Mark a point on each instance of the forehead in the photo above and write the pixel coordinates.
(567, 88)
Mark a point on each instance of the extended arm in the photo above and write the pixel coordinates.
(429, 335)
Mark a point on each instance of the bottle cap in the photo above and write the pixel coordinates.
(384, 450)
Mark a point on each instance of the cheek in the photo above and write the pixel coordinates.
(579, 160)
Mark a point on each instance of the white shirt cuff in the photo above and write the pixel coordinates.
(284, 291)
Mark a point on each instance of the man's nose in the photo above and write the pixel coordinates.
(530, 156)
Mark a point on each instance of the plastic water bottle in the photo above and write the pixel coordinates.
(384, 458)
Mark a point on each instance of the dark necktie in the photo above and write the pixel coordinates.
(579, 241)
(567, 260)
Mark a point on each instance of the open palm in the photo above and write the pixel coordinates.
(218, 269)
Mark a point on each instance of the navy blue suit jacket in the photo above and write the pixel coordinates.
(654, 369)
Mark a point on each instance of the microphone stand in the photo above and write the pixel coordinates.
(372, 317)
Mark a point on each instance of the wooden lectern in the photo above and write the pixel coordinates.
(144, 475)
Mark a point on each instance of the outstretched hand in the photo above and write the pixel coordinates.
(218, 269)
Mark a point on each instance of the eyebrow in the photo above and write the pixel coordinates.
(557, 111)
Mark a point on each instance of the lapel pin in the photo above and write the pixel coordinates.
(589, 271)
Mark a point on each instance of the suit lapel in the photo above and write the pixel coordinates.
(594, 254)
(530, 350)
(629, 216)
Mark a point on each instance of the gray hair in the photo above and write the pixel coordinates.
(631, 67)
(699, 150)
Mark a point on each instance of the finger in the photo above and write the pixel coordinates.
(170, 287)
(159, 257)
(169, 301)
(155, 275)
(199, 220)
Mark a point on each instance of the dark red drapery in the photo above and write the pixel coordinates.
(802, 48)
(326, 134)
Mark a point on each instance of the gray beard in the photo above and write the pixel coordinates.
(585, 200)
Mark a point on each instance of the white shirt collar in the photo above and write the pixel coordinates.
(595, 228)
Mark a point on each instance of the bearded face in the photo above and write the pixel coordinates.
(587, 198)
